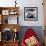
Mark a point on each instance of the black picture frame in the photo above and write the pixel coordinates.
(30, 13)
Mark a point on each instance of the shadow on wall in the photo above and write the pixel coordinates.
(37, 29)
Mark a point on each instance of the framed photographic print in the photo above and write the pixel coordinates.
(31, 13)
(5, 12)
(13, 12)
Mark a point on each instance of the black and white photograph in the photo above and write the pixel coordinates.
(30, 13)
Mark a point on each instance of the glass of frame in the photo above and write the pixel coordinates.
(31, 13)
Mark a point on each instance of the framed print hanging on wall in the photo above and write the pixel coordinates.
(30, 13)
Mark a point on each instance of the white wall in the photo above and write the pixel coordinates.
(31, 3)
(26, 3)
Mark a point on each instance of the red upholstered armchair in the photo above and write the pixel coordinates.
(30, 39)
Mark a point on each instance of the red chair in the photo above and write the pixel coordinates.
(29, 33)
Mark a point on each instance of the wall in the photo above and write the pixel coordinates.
(26, 3)
(31, 3)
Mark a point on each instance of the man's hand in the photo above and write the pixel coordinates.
(31, 41)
